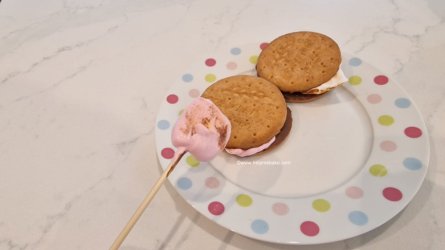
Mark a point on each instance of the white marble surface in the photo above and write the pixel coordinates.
(81, 82)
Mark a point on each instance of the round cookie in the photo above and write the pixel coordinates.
(299, 61)
(255, 107)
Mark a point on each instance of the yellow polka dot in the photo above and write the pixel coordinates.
(244, 200)
(355, 80)
(378, 170)
(253, 59)
(192, 161)
(210, 77)
(386, 120)
(180, 112)
(321, 205)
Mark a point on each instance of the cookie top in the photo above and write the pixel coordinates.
(255, 107)
(299, 61)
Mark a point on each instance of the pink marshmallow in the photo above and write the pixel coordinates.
(202, 129)
(251, 151)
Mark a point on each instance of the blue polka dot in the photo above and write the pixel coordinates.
(187, 77)
(355, 61)
(403, 103)
(358, 218)
(235, 51)
(184, 183)
(412, 163)
(259, 226)
(163, 124)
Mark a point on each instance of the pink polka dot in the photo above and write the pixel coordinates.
(374, 98)
(413, 132)
(231, 65)
(172, 99)
(354, 192)
(216, 208)
(193, 93)
(309, 228)
(167, 153)
(210, 62)
(388, 146)
(212, 182)
(381, 80)
(392, 194)
(280, 208)
(264, 45)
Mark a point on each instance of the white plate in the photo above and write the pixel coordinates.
(353, 160)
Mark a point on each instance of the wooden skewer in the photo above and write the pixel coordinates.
(140, 210)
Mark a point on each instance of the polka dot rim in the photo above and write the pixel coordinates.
(184, 183)
(355, 80)
(231, 65)
(354, 192)
(244, 200)
(402, 103)
(309, 228)
(392, 194)
(172, 99)
(358, 218)
(264, 45)
(280, 208)
(193, 93)
(212, 182)
(381, 80)
(374, 98)
(253, 59)
(412, 163)
(192, 161)
(216, 208)
(388, 146)
(167, 153)
(187, 77)
(235, 51)
(163, 124)
(355, 61)
(210, 78)
(210, 62)
(260, 226)
(413, 132)
(378, 170)
(321, 205)
(386, 120)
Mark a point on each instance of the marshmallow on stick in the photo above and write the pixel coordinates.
(203, 130)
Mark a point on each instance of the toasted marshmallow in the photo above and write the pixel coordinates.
(335, 81)
(251, 151)
(202, 129)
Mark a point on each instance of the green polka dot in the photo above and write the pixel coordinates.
(244, 200)
(378, 170)
(180, 112)
(321, 205)
(253, 59)
(355, 80)
(386, 120)
(191, 160)
(210, 77)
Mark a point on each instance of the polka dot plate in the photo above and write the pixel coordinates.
(353, 160)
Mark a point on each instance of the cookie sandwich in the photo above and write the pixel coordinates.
(303, 65)
(257, 112)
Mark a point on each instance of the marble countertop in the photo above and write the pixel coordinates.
(81, 82)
